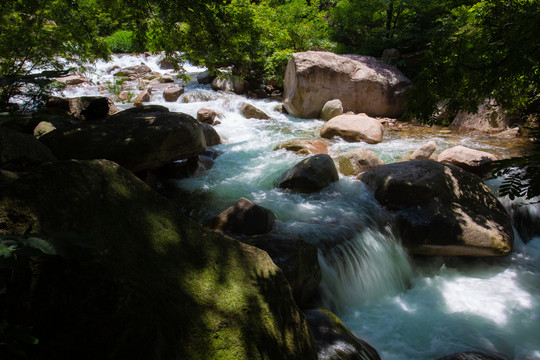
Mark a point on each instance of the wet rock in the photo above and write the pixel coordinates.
(210, 135)
(207, 116)
(362, 83)
(309, 175)
(136, 278)
(331, 109)
(134, 72)
(251, 112)
(441, 209)
(138, 138)
(304, 146)
(475, 161)
(144, 96)
(296, 258)
(358, 161)
(244, 217)
(334, 340)
(73, 79)
(424, 151)
(353, 128)
(20, 151)
(229, 83)
(172, 93)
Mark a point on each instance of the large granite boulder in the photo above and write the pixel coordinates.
(489, 118)
(19, 151)
(296, 258)
(441, 209)
(135, 279)
(334, 340)
(244, 217)
(353, 128)
(357, 161)
(362, 83)
(309, 175)
(138, 138)
(466, 158)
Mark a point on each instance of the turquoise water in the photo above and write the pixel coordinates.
(405, 308)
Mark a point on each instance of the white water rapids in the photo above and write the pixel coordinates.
(421, 309)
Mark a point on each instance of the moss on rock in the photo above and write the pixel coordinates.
(152, 284)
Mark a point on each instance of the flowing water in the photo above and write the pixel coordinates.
(405, 308)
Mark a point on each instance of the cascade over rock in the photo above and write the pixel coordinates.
(297, 259)
(138, 138)
(136, 279)
(442, 209)
(309, 175)
(362, 83)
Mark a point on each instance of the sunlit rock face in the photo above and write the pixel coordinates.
(441, 209)
(362, 83)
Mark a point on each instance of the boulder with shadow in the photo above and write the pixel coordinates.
(441, 209)
(124, 275)
(244, 217)
(138, 138)
(296, 258)
(309, 175)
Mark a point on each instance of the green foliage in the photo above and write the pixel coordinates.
(121, 41)
(42, 35)
(489, 49)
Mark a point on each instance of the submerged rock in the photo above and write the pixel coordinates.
(309, 175)
(334, 340)
(138, 138)
(441, 209)
(354, 128)
(135, 279)
(244, 217)
(362, 83)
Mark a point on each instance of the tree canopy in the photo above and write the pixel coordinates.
(457, 52)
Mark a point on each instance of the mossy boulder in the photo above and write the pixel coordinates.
(441, 209)
(141, 138)
(146, 282)
(297, 259)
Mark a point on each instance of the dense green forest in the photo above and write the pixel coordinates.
(457, 52)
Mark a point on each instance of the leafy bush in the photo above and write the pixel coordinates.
(121, 42)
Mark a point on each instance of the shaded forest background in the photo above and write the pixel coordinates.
(457, 52)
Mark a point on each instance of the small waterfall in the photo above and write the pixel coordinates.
(370, 266)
